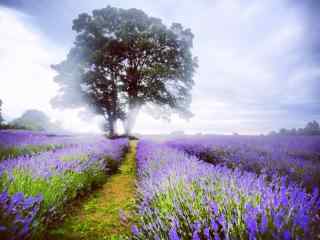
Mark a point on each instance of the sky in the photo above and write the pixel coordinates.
(259, 61)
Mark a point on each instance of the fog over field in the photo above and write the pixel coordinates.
(258, 61)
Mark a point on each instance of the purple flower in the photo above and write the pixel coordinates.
(173, 235)
(251, 224)
(195, 236)
(17, 197)
(214, 207)
(134, 230)
(2, 228)
(277, 220)
(303, 220)
(207, 232)
(286, 235)
(222, 221)
(264, 223)
(214, 225)
(216, 237)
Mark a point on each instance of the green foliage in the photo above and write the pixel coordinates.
(186, 202)
(4, 181)
(56, 190)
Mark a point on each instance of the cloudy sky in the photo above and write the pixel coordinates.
(259, 60)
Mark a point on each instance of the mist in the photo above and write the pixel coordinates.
(258, 62)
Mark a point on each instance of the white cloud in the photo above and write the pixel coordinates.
(26, 79)
(25, 65)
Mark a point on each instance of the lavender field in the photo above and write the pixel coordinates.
(214, 187)
(159, 120)
(227, 187)
(294, 157)
(36, 185)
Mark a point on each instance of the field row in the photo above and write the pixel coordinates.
(35, 188)
(296, 158)
(182, 197)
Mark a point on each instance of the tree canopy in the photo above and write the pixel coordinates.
(124, 59)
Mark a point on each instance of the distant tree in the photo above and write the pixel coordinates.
(312, 128)
(177, 133)
(124, 59)
(293, 131)
(300, 131)
(284, 131)
(273, 133)
(34, 120)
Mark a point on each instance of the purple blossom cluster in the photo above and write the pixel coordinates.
(78, 158)
(297, 157)
(18, 214)
(19, 138)
(182, 197)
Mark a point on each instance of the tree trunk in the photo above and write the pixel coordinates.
(133, 79)
(110, 127)
(130, 120)
(111, 130)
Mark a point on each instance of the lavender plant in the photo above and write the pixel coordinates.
(297, 157)
(18, 138)
(18, 215)
(58, 176)
(181, 197)
(14, 143)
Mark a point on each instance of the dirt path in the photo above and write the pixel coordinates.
(99, 216)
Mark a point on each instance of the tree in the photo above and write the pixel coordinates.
(88, 84)
(312, 128)
(34, 120)
(293, 131)
(273, 133)
(284, 131)
(123, 60)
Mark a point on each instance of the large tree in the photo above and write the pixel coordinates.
(124, 59)
(86, 81)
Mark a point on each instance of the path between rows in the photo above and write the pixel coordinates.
(98, 217)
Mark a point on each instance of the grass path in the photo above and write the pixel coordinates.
(98, 217)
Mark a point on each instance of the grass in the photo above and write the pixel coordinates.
(105, 214)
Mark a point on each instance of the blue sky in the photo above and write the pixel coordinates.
(259, 60)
